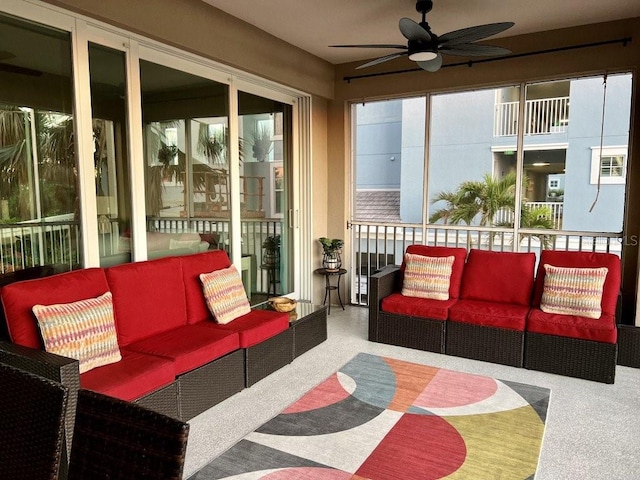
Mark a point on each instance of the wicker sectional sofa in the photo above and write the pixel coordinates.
(493, 313)
(175, 359)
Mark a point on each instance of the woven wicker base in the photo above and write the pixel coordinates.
(206, 386)
(571, 357)
(489, 344)
(266, 357)
(412, 332)
(309, 332)
(163, 400)
(629, 346)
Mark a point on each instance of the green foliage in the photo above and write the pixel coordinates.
(331, 245)
(271, 243)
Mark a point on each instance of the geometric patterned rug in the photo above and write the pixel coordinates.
(379, 418)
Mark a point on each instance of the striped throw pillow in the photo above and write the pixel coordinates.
(224, 294)
(573, 291)
(84, 330)
(427, 277)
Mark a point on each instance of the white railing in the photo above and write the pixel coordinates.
(36, 243)
(377, 245)
(541, 117)
(506, 216)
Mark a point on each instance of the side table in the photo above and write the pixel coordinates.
(328, 286)
(309, 326)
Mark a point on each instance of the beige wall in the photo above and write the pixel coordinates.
(195, 26)
(601, 59)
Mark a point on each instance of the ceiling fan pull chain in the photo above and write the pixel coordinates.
(604, 103)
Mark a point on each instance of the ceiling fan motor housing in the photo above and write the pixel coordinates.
(424, 6)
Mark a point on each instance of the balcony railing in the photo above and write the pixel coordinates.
(541, 117)
(377, 245)
(553, 209)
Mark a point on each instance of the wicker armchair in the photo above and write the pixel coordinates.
(114, 439)
(31, 436)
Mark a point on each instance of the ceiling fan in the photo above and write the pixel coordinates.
(426, 48)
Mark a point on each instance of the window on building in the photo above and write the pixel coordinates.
(610, 164)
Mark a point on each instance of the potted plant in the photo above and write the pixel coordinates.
(271, 250)
(332, 248)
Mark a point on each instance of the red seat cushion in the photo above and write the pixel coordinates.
(136, 375)
(148, 298)
(256, 326)
(189, 346)
(18, 298)
(489, 314)
(459, 254)
(192, 267)
(417, 307)
(500, 277)
(602, 329)
(560, 258)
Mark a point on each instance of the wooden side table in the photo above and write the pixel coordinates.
(329, 287)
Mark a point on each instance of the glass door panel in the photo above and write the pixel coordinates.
(39, 205)
(265, 170)
(185, 121)
(111, 158)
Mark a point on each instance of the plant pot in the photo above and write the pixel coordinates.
(331, 261)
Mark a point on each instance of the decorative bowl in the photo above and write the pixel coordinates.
(283, 304)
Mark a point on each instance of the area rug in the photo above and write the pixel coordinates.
(379, 418)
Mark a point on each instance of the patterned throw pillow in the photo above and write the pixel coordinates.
(573, 291)
(224, 294)
(427, 277)
(84, 330)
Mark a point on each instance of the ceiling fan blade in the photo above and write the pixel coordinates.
(381, 60)
(471, 34)
(384, 45)
(431, 65)
(474, 50)
(413, 31)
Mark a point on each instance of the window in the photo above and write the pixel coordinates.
(611, 165)
(553, 183)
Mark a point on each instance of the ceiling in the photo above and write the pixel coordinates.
(313, 25)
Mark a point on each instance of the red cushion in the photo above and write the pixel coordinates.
(136, 375)
(502, 277)
(256, 326)
(489, 314)
(19, 297)
(602, 329)
(189, 346)
(417, 307)
(192, 267)
(459, 254)
(148, 298)
(560, 258)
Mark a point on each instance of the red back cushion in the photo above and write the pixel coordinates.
(561, 258)
(192, 267)
(148, 298)
(19, 297)
(501, 277)
(459, 255)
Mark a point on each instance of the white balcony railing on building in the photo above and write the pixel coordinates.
(377, 245)
(552, 211)
(541, 117)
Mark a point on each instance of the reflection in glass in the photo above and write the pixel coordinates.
(264, 127)
(111, 159)
(38, 170)
(187, 187)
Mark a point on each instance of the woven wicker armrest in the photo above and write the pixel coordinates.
(60, 369)
(381, 285)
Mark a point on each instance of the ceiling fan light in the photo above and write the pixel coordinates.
(424, 56)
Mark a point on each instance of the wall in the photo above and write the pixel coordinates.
(550, 66)
(197, 27)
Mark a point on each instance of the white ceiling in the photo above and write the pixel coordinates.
(313, 25)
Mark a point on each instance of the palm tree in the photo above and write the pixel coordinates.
(484, 200)
(474, 198)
